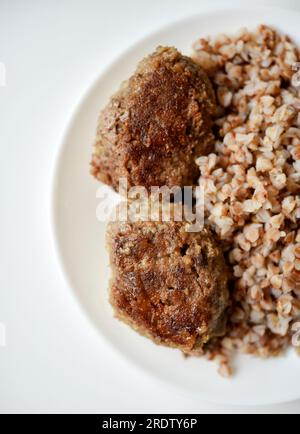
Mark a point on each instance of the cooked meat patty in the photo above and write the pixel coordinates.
(154, 127)
(168, 284)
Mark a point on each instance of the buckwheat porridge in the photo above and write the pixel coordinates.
(252, 185)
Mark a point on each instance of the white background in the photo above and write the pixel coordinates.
(54, 361)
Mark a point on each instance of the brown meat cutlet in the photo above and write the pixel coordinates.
(152, 130)
(168, 284)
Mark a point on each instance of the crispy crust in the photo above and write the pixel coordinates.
(168, 284)
(154, 127)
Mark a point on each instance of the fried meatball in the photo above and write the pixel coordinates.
(168, 284)
(156, 125)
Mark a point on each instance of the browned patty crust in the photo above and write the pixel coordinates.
(168, 284)
(154, 127)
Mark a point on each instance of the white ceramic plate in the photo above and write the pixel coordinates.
(81, 238)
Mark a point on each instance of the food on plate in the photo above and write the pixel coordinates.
(168, 284)
(156, 125)
(252, 185)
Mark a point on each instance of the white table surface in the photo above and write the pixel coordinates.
(54, 361)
